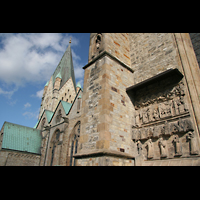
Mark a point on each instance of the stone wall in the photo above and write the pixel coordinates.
(163, 124)
(106, 161)
(151, 53)
(14, 158)
(116, 44)
(66, 93)
(195, 38)
(106, 107)
(195, 161)
(47, 98)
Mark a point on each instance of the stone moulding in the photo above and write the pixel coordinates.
(170, 72)
(103, 152)
(105, 53)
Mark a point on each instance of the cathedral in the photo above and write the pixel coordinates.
(139, 106)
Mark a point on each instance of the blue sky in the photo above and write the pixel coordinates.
(27, 61)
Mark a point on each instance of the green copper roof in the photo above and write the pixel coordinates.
(47, 83)
(36, 124)
(49, 115)
(66, 106)
(65, 68)
(78, 85)
(21, 138)
(58, 75)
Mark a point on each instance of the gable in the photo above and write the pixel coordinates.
(47, 114)
(75, 109)
(61, 110)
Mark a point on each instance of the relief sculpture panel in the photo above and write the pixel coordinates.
(161, 125)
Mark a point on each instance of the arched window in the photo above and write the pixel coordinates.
(74, 143)
(55, 149)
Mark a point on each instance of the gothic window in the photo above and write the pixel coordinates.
(74, 143)
(58, 117)
(98, 41)
(54, 149)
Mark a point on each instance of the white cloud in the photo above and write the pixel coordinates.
(27, 105)
(39, 94)
(31, 115)
(32, 58)
(8, 94)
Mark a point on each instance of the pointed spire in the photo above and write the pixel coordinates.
(70, 40)
(65, 67)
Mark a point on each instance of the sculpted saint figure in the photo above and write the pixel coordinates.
(139, 147)
(150, 153)
(163, 148)
(178, 148)
(193, 143)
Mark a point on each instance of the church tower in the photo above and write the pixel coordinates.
(62, 84)
(105, 130)
(141, 101)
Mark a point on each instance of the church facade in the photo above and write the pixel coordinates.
(140, 106)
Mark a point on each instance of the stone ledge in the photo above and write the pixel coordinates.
(103, 152)
(105, 53)
(161, 76)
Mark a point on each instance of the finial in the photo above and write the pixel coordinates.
(70, 40)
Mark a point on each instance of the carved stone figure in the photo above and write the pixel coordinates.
(194, 150)
(181, 125)
(163, 148)
(162, 110)
(157, 131)
(136, 119)
(150, 152)
(166, 129)
(188, 125)
(176, 104)
(156, 113)
(139, 147)
(178, 147)
(168, 106)
(144, 133)
(174, 128)
(183, 107)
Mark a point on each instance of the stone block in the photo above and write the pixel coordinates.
(105, 135)
(103, 144)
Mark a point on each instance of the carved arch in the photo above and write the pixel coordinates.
(73, 144)
(55, 148)
(97, 44)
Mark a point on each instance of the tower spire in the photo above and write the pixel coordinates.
(70, 40)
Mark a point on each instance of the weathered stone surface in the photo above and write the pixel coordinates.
(155, 124)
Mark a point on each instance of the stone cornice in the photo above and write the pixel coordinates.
(105, 53)
(103, 152)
